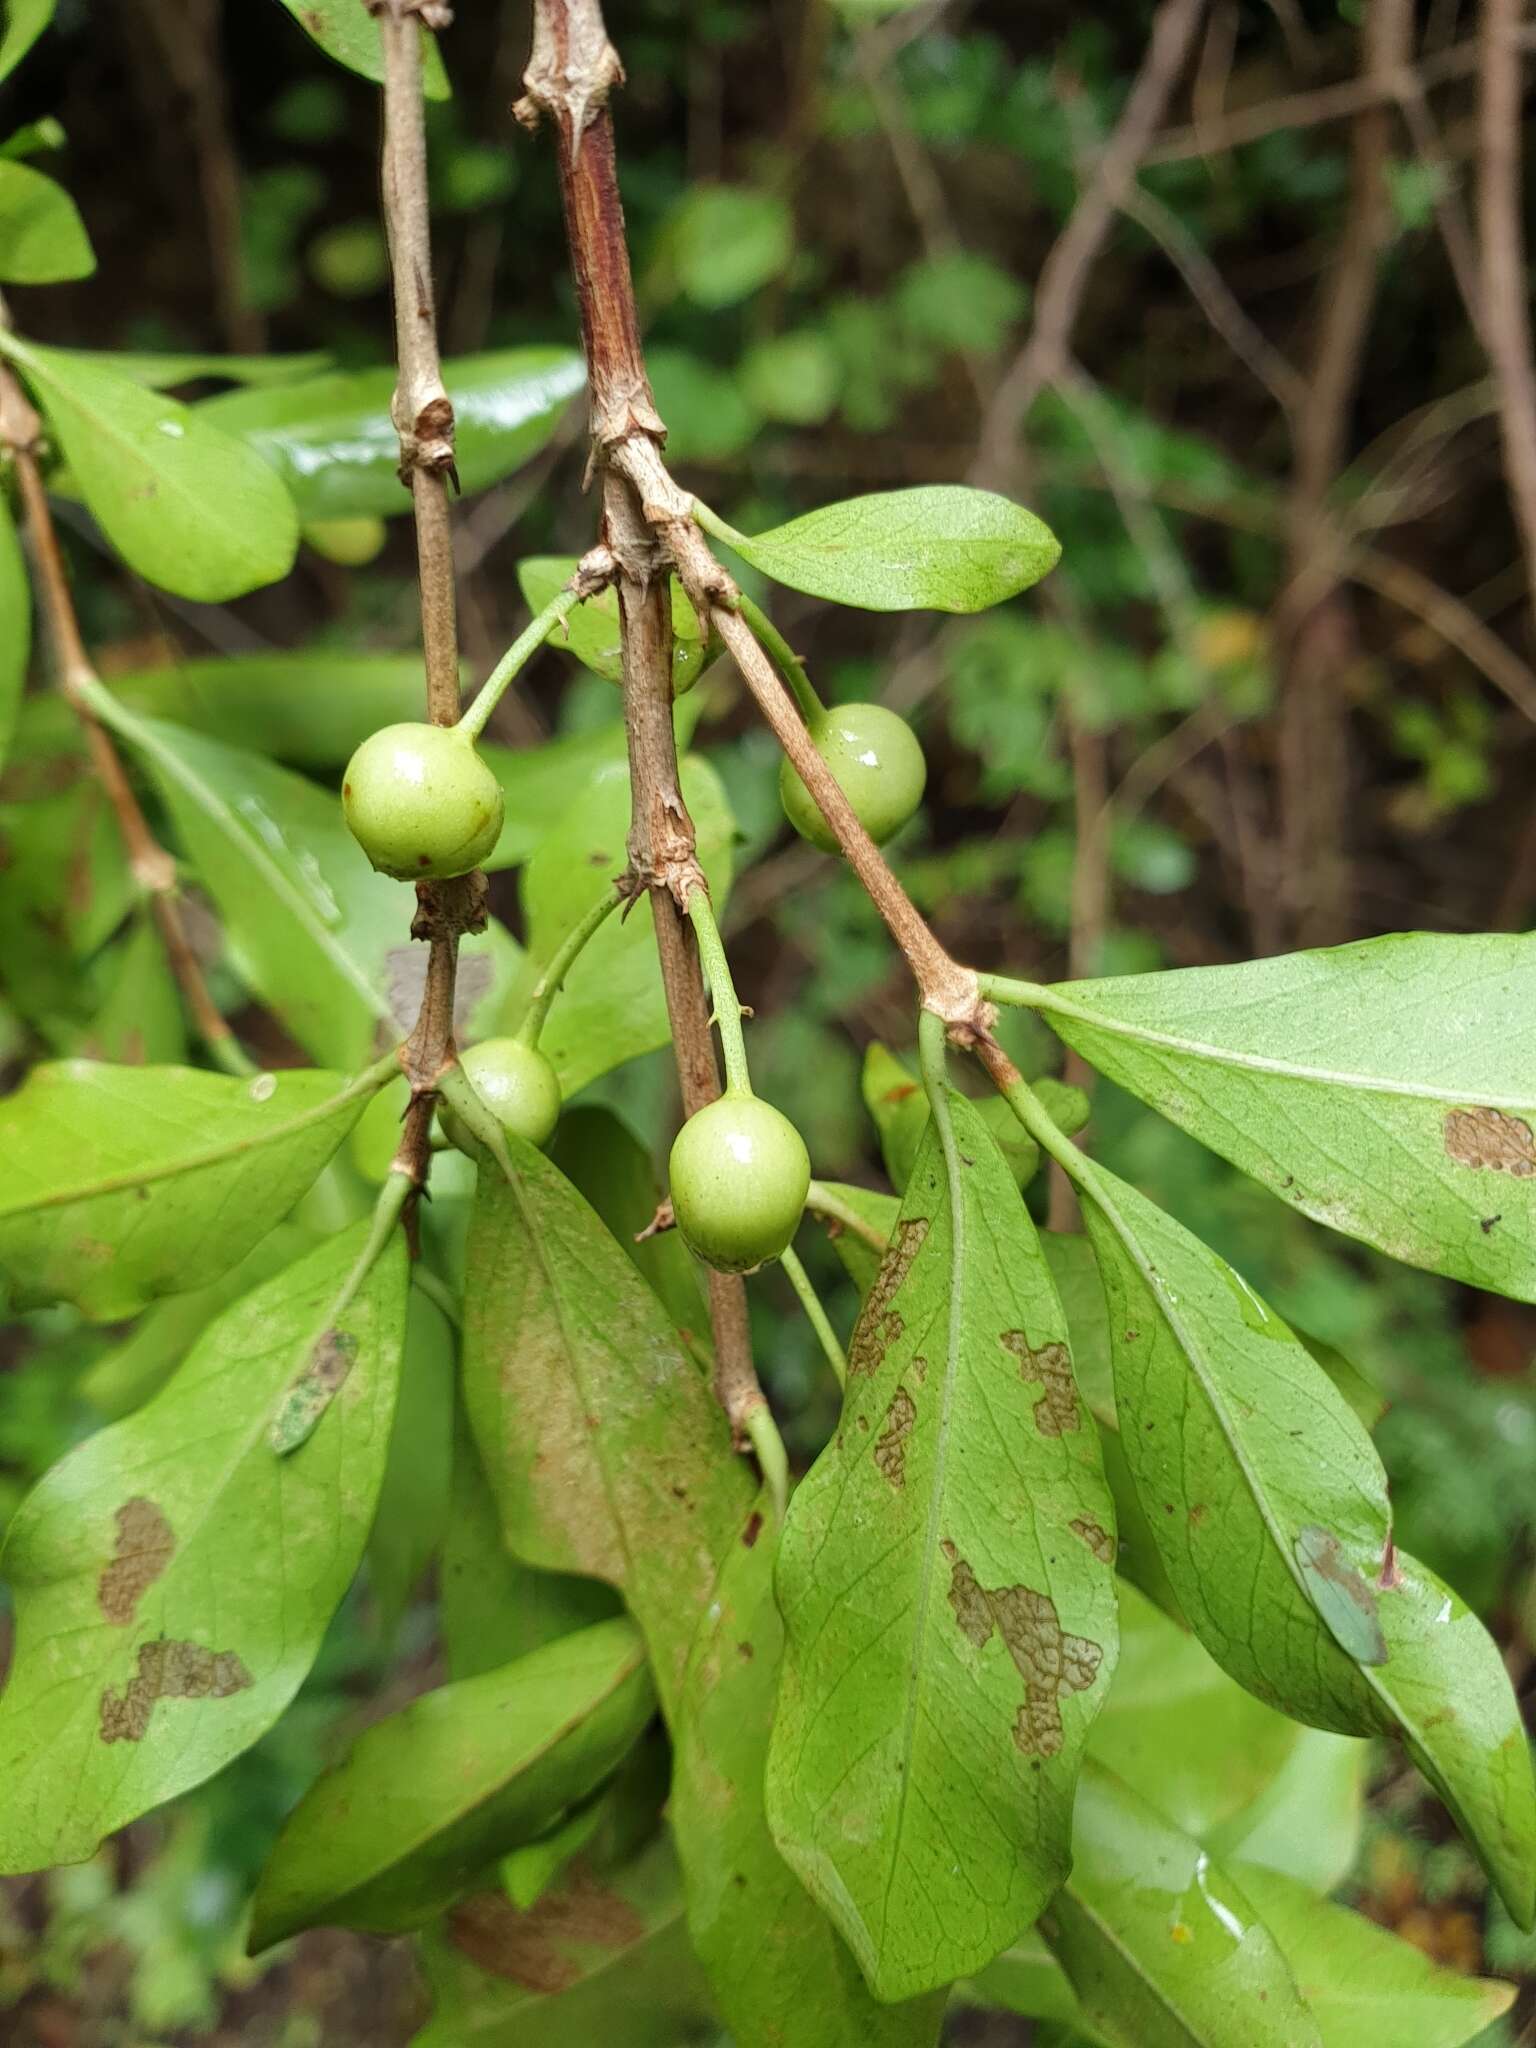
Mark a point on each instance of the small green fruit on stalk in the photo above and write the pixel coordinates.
(739, 1175)
(421, 803)
(876, 762)
(518, 1086)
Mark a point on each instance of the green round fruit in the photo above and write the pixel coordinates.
(420, 802)
(877, 763)
(517, 1085)
(739, 1176)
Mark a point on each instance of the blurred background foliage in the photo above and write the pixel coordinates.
(839, 212)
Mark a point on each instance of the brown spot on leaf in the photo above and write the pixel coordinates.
(1197, 1514)
(1097, 1538)
(305, 1402)
(1491, 1140)
(145, 1545)
(879, 1325)
(532, 1948)
(1051, 1663)
(1056, 1412)
(169, 1671)
(753, 1530)
(890, 1453)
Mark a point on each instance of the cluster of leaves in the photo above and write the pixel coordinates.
(1046, 1693)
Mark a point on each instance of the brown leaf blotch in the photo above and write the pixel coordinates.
(1097, 1538)
(145, 1545)
(890, 1452)
(1056, 1412)
(879, 1325)
(169, 1670)
(530, 1948)
(1491, 1140)
(1051, 1663)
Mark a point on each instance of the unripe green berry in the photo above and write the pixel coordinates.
(420, 802)
(739, 1177)
(518, 1086)
(877, 763)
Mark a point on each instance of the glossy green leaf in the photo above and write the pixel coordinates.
(601, 1439)
(611, 1007)
(139, 1020)
(351, 37)
(894, 1098)
(161, 372)
(311, 710)
(415, 1499)
(599, 1959)
(945, 1579)
(1366, 1988)
(782, 1978)
(1161, 1945)
(173, 1579)
(940, 547)
(333, 444)
(312, 930)
(591, 632)
(186, 506)
(1385, 1089)
(15, 627)
(492, 1608)
(1027, 1979)
(540, 784)
(42, 237)
(123, 1183)
(427, 1799)
(25, 21)
(1306, 1823)
(1238, 1443)
(862, 1228)
(602, 1158)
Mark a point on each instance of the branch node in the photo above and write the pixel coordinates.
(448, 909)
(571, 72)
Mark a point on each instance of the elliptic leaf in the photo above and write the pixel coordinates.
(1161, 1945)
(427, 1799)
(1362, 1984)
(42, 237)
(173, 1579)
(591, 632)
(163, 372)
(123, 1183)
(332, 441)
(940, 547)
(602, 1442)
(1258, 1480)
(15, 626)
(415, 1499)
(185, 505)
(311, 710)
(351, 37)
(25, 21)
(946, 1583)
(1385, 1089)
(781, 1976)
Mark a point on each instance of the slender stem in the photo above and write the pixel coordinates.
(719, 528)
(785, 660)
(438, 1292)
(1034, 1116)
(547, 987)
(816, 1315)
(772, 1458)
(825, 1201)
(1504, 290)
(722, 992)
(527, 644)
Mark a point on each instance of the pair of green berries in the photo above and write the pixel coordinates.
(739, 1170)
(421, 802)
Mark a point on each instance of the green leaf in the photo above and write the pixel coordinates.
(597, 1960)
(1384, 1089)
(603, 1159)
(781, 1976)
(312, 710)
(426, 1799)
(25, 21)
(492, 1608)
(1241, 1449)
(1027, 1978)
(140, 1019)
(941, 547)
(946, 1586)
(1306, 1822)
(160, 372)
(540, 784)
(1364, 1985)
(895, 1099)
(333, 444)
(313, 931)
(591, 632)
(726, 241)
(187, 507)
(351, 37)
(604, 1447)
(1161, 1945)
(414, 1501)
(42, 237)
(15, 627)
(611, 1007)
(123, 1183)
(876, 1214)
(173, 1579)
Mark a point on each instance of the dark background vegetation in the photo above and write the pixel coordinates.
(1290, 642)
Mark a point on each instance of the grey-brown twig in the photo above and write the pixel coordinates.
(1506, 324)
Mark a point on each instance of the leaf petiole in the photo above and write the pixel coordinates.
(523, 648)
(816, 1315)
(713, 524)
(722, 992)
(772, 1458)
(785, 660)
